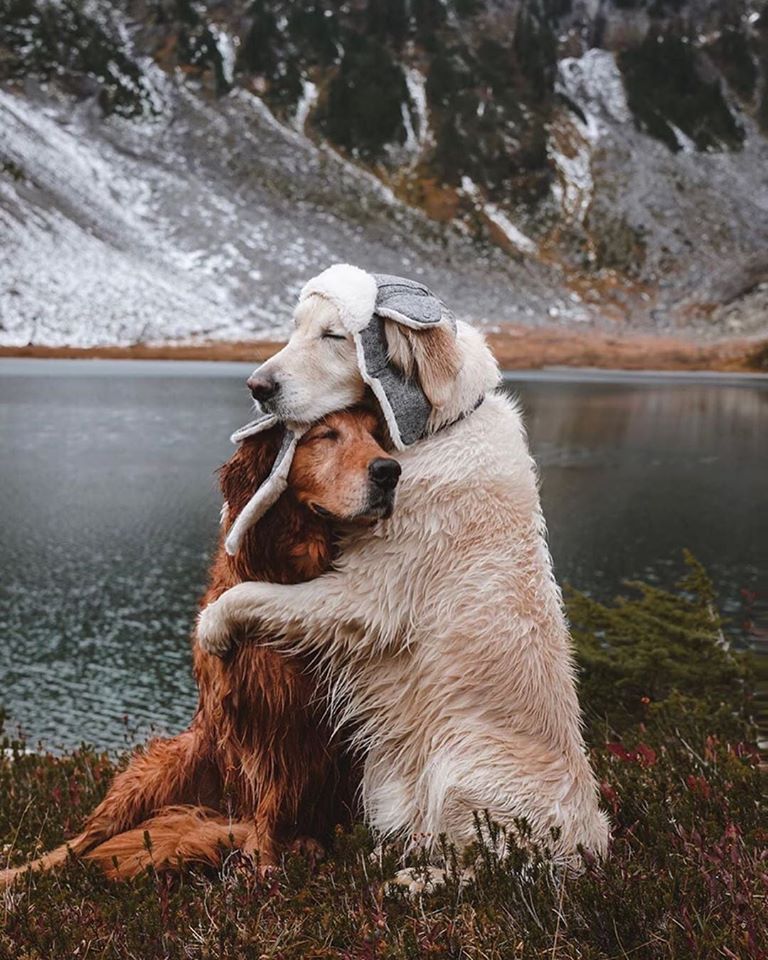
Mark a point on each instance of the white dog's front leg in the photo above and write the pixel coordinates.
(306, 616)
(215, 624)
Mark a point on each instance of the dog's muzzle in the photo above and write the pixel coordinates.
(262, 387)
(384, 474)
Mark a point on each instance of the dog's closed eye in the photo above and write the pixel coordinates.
(325, 435)
(329, 335)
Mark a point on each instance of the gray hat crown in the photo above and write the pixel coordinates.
(408, 302)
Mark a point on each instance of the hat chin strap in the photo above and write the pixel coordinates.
(264, 421)
(273, 487)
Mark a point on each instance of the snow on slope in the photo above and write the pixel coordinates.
(203, 223)
(80, 242)
(698, 215)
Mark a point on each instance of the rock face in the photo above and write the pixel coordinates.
(175, 169)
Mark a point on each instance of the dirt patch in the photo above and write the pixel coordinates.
(547, 347)
(516, 348)
(245, 351)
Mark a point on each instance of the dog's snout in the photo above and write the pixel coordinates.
(262, 386)
(384, 472)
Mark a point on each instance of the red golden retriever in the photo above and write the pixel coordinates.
(258, 768)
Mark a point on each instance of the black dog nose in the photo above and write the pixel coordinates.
(262, 387)
(385, 473)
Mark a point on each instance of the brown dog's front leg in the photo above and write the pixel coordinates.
(168, 772)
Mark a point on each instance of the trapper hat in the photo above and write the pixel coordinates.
(363, 301)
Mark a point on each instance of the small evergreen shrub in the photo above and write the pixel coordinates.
(667, 87)
(656, 651)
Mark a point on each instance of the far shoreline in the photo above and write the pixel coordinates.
(518, 348)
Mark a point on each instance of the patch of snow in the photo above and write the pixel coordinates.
(515, 236)
(307, 100)
(226, 45)
(684, 141)
(594, 83)
(416, 83)
(411, 142)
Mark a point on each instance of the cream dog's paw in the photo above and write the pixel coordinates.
(418, 880)
(214, 632)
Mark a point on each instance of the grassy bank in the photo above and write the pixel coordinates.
(668, 710)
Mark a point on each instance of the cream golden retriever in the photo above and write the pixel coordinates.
(441, 630)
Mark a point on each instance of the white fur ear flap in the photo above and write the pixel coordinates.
(351, 290)
(264, 421)
(267, 494)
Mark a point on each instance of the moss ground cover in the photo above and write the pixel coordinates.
(668, 719)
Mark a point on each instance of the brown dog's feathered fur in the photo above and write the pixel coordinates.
(258, 767)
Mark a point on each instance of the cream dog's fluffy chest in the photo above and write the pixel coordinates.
(443, 639)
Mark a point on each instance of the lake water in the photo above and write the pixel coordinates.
(109, 511)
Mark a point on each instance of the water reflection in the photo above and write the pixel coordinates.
(630, 475)
(110, 509)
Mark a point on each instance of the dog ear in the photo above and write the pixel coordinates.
(289, 543)
(430, 354)
(247, 469)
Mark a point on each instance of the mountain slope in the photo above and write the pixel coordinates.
(172, 169)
